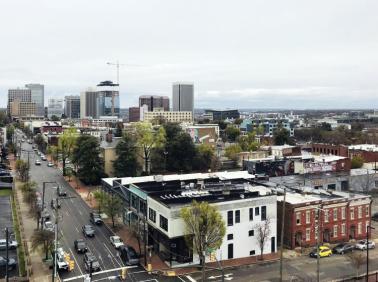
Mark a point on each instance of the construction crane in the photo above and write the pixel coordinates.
(117, 64)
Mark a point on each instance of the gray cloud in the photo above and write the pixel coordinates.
(250, 53)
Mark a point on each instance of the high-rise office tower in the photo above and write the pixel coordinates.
(55, 107)
(182, 97)
(88, 103)
(20, 94)
(38, 97)
(72, 106)
(107, 99)
(153, 102)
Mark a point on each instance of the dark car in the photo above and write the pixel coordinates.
(95, 218)
(62, 192)
(343, 248)
(80, 246)
(12, 263)
(128, 255)
(91, 263)
(375, 216)
(88, 230)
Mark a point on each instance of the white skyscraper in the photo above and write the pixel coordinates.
(55, 107)
(183, 97)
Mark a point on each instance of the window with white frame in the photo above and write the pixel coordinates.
(367, 210)
(352, 213)
(308, 234)
(343, 229)
(326, 215)
(343, 213)
(298, 216)
(308, 214)
(359, 228)
(334, 214)
(359, 212)
(335, 231)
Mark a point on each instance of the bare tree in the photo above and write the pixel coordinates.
(262, 234)
(357, 259)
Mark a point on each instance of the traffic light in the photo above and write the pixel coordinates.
(123, 273)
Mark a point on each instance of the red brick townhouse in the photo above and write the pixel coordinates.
(342, 217)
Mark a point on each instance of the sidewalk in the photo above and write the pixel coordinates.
(157, 263)
(38, 270)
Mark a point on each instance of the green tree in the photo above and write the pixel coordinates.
(357, 162)
(4, 120)
(113, 207)
(126, 163)
(40, 142)
(54, 153)
(101, 198)
(22, 168)
(86, 156)
(204, 229)
(66, 145)
(55, 118)
(29, 190)
(147, 139)
(232, 133)
(43, 238)
(281, 136)
(232, 151)
(247, 142)
(10, 132)
(205, 157)
(181, 153)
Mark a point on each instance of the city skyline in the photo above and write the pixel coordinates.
(243, 54)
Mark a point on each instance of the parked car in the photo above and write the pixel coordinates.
(49, 226)
(91, 262)
(61, 192)
(11, 244)
(324, 251)
(363, 245)
(80, 246)
(88, 230)
(50, 164)
(45, 214)
(12, 263)
(343, 248)
(95, 218)
(37, 162)
(375, 216)
(116, 241)
(43, 158)
(128, 255)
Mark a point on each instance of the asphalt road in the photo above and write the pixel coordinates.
(73, 214)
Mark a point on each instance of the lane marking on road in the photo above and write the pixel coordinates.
(77, 230)
(181, 278)
(111, 254)
(79, 211)
(190, 278)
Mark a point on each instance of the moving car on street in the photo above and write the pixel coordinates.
(88, 230)
(116, 241)
(363, 245)
(128, 255)
(50, 164)
(37, 162)
(91, 263)
(55, 204)
(323, 251)
(80, 246)
(343, 248)
(95, 218)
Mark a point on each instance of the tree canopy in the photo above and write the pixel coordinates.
(66, 145)
(86, 156)
(126, 163)
(232, 132)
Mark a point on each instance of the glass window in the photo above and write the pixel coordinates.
(251, 233)
(351, 213)
(335, 214)
(308, 234)
(359, 228)
(237, 216)
(298, 217)
(230, 236)
(257, 211)
(252, 253)
(326, 215)
(367, 210)
(308, 214)
(250, 214)
(335, 231)
(359, 212)
(152, 215)
(230, 218)
(263, 213)
(343, 229)
(163, 223)
(343, 213)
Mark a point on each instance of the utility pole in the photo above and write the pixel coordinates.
(56, 239)
(7, 253)
(282, 234)
(368, 228)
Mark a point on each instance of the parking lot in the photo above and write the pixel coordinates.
(6, 221)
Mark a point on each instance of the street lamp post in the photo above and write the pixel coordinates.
(318, 245)
(368, 228)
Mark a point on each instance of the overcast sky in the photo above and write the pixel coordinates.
(245, 54)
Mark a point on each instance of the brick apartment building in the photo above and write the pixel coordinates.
(330, 149)
(342, 217)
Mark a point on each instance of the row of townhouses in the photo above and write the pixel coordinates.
(246, 205)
